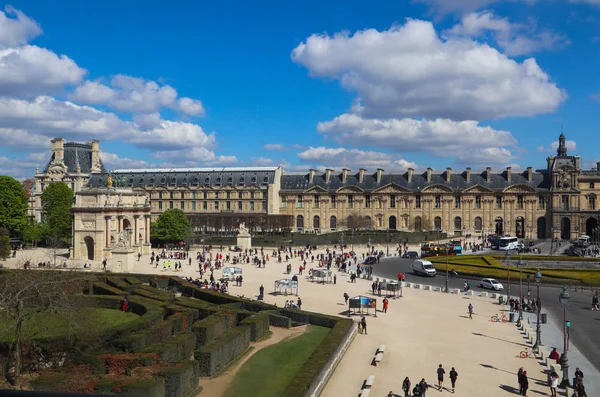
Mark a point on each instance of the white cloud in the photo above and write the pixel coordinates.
(513, 38)
(553, 146)
(114, 161)
(16, 28)
(463, 6)
(488, 157)
(441, 137)
(132, 94)
(262, 161)
(275, 146)
(193, 157)
(147, 120)
(408, 71)
(342, 157)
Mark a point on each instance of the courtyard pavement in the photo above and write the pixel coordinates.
(421, 330)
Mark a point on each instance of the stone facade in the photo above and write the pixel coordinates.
(102, 217)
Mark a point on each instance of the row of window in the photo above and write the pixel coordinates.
(215, 195)
(196, 181)
(217, 205)
(392, 201)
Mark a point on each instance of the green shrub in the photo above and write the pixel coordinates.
(182, 318)
(160, 282)
(297, 316)
(133, 280)
(214, 357)
(152, 293)
(491, 261)
(175, 349)
(277, 320)
(154, 387)
(212, 327)
(204, 309)
(259, 325)
(182, 379)
(119, 284)
(100, 288)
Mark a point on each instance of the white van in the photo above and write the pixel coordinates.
(423, 267)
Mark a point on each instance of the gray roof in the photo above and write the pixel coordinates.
(458, 182)
(76, 153)
(175, 178)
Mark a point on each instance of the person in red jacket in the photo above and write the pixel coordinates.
(554, 356)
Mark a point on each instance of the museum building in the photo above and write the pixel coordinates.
(560, 200)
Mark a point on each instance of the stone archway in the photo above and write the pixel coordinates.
(590, 227)
(520, 227)
(89, 245)
(126, 224)
(392, 223)
(418, 224)
(541, 227)
(499, 226)
(565, 228)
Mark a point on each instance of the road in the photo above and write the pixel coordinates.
(585, 322)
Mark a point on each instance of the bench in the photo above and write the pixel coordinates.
(381, 349)
(365, 392)
(369, 382)
(378, 358)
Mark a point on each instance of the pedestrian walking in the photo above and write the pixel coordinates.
(334, 279)
(520, 379)
(453, 377)
(470, 307)
(346, 297)
(580, 388)
(363, 323)
(406, 387)
(525, 383)
(553, 383)
(424, 386)
(440, 376)
(299, 303)
(385, 304)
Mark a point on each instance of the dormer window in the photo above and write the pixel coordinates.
(163, 181)
(219, 180)
(207, 180)
(266, 179)
(130, 181)
(141, 181)
(229, 180)
(173, 180)
(152, 181)
(195, 181)
(253, 179)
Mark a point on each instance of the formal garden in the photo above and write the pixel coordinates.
(171, 336)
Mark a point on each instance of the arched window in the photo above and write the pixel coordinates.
(368, 222)
(478, 224)
(300, 222)
(316, 222)
(333, 223)
(457, 223)
(437, 223)
(418, 224)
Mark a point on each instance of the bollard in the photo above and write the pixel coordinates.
(484, 294)
(426, 287)
(456, 291)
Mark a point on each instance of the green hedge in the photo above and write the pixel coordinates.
(152, 293)
(133, 280)
(278, 320)
(160, 282)
(317, 361)
(548, 258)
(259, 325)
(175, 349)
(204, 309)
(154, 387)
(210, 328)
(214, 357)
(100, 288)
(119, 284)
(182, 318)
(181, 380)
(491, 261)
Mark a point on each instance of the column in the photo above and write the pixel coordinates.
(107, 230)
(147, 229)
(120, 219)
(135, 229)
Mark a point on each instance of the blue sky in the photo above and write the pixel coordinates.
(390, 84)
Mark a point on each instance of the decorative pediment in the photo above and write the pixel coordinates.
(478, 189)
(519, 189)
(391, 188)
(350, 189)
(316, 189)
(437, 189)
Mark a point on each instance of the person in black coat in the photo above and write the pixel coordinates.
(524, 383)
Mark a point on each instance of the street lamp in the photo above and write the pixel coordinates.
(387, 243)
(538, 329)
(528, 291)
(564, 299)
(520, 265)
(447, 267)
(507, 258)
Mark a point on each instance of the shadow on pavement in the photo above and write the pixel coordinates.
(503, 340)
(510, 389)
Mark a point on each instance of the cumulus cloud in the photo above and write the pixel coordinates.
(493, 157)
(132, 94)
(553, 146)
(275, 146)
(16, 28)
(113, 161)
(262, 161)
(343, 157)
(461, 6)
(193, 157)
(441, 137)
(409, 71)
(513, 38)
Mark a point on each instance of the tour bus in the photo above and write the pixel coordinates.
(494, 241)
(583, 241)
(508, 243)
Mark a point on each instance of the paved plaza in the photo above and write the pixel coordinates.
(421, 330)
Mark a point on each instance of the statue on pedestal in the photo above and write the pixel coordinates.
(122, 240)
(243, 229)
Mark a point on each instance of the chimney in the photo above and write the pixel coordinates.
(428, 174)
(328, 172)
(345, 175)
(448, 174)
(361, 175)
(549, 163)
(529, 174)
(410, 175)
(508, 174)
(311, 175)
(95, 156)
(598, 165)
(468, 174)
(488, 174)
(58, 148)
(379, 172)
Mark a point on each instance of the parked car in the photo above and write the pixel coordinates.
(491, 283)
(410, 255)
(423, 267)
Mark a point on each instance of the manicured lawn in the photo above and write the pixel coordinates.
(268, 372)
(45, 325)
(495, 267)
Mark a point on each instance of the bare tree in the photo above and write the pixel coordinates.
(28, 299)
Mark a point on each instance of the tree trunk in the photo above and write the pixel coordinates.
(17, 374)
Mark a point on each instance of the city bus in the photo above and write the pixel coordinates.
(508, 243)
(436, 249)
(494, 242)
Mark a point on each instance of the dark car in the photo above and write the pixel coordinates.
(371, 260)
(410, 255)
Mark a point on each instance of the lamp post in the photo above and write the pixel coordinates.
(538, 329)
(528, 291)
(387, 243)
(520, 264)
(447, 267)
(507, 258)
(342, 244)
(564, 299)
(552, 229)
